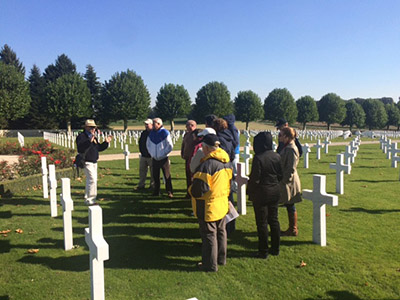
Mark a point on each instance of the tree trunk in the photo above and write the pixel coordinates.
(172, 125)
(125, 126)
(329, 126)
(351, 127)
(304, 126)
(247, 126)
(69, 127)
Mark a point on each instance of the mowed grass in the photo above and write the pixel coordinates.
(154, 242)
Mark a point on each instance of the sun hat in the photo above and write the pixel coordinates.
(90, 123)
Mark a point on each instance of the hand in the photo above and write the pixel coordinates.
(109, 139)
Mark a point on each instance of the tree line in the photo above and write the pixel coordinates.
(60, 97)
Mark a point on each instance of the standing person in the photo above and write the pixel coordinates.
(89, 147)
(198, 154)
(188, 144)
(290, 184)
(209, 191)
(282, 123)
(159, 145)
(145, 158)
(227, 143)
(263, 190)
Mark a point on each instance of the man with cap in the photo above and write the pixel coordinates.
(89, 147)
(187, 148)
(210, 191)
(145, 158)
(198, 151)
(159, 144)
(282, 123)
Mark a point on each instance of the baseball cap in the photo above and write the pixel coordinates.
(148, 121)
(280, 122)
(207, 131)
(211, 140)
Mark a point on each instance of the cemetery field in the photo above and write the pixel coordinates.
(155, 243)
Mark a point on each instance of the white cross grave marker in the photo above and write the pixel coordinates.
(306, 150)
(318, 146)
(44, 177)
(126, 153)
(21, 139)
(53, 190)
(99, 251)
(348, 156)
(68, 207)
(326, 144)
(246, 156)
(241, 180)
(394, 151)
(340, 167)
(320, 198)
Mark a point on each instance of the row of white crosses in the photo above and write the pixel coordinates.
(98, 247)
(390, 148)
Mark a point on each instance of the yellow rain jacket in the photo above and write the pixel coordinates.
(211, 186)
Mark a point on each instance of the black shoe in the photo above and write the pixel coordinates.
(273, 252)
(140, 188)
(156, 194)
(260, 255)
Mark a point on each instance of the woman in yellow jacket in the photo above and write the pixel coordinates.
(210, 191)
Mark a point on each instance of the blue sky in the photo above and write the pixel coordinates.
(351, 48)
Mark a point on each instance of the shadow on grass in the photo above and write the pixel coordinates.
(374, 181)
(78, 263)
(5, 246)
(340, 295)
(5, 214)
(24, 201)
(5, 297)
(370, 211)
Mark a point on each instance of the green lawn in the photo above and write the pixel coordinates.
(155, 243)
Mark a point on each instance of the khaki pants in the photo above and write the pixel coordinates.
(91, 182)
(144, 164)
(214, 244)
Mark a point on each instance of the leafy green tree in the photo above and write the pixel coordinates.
(355, 115)
(14, 94)
(375, 114)
(125, 96)
(307, 110)
(69, 97)
(393, 114)
(9, 57)
(94, 86)
(248, 107)
(62, 66)
(212, 98)
(172, 101)
(280, 104)
(331, 109)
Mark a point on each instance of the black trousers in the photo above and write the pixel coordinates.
(267, 214)
(164, 165)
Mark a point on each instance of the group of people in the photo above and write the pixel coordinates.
(210, 157)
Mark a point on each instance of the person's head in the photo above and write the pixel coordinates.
(262, 142)
(191, 125)
(206, 131)
(157, 123)
(148, 124)
(210, 143)
(220, 125)
(90, 126)
(281, 123)
(209, 120)
(287, 135)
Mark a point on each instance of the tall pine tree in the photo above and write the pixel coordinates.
(94, 85)
(8, 56)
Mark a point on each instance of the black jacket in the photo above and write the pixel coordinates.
(83, 143)
(226, 139)
(266, 171)
(142, 143)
